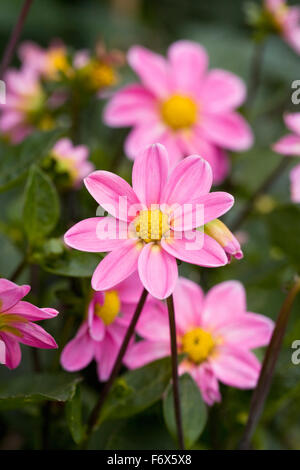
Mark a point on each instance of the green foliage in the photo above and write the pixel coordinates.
(193, 410)
(73, 263)
(74, 416)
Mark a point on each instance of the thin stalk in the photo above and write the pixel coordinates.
(174, 358)
(255, 72)
(263, 188)
(19, 269)
(14, 37)
(95, 414)
(265, 379)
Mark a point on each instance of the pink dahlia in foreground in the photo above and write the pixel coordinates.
(153, 222)
(286, 20)
(17, 325)
(290, 145)
(182, 105)
(214, 331)
(71, 160)
(102, 332)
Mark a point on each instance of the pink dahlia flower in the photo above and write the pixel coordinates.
(215, 332)
(181, 105)
(72, 160)
(102, 332)
(17, 325)
(290, 145)
(286, 21)
(153, 222)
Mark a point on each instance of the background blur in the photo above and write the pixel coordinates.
(272, 250)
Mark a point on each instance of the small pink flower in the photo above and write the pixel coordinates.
(215, 332)
(286, 20)
(181, 105)
(102, 332)
(156, 224)
(72, 160)
(48, 63)
(290, 145)
(16, 323)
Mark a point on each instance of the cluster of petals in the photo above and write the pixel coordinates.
(214, 331)
(290, 145)
(17, 325)
(176, 197)
(286, 20)
(183, 105)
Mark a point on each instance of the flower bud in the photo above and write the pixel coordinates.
(220, 232)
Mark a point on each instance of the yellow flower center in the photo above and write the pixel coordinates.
(110, 308)
(58, 62)
(65, 165)
(6, 323)
(179, 112)
(197, 344)
(100, 75)
(151, 225)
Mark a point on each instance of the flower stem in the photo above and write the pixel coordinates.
(264, 382)
(255, 72)
(94, 416)
(19, 269)
(264, 187)
(174, 359)
(14, 37)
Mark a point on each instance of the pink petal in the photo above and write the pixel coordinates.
(292, 121)
(130, 289)
(96, 325)
(13, 351)
(223, 304)
(31, 312)
(295, 184)
(133, 104)
(288, 145)
(144, 352)
(236, 367)
(2, 352)
(106, 354)
(191, 178)
(188, 301)
(199, 249)
(10, 294)
(229, 130)
(79, 352)
(97, 234)
(154, 322)
(142, 135)
(248, 331)
(188, 62)
(151, 68)
(34, 335)
(116, 266)
(150, 173)
(113, 193)
(208, 384)
(158, 271)
(222, 91)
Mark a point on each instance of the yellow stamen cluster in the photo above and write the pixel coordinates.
(110, 308)
(100, 75)
(7, 322)
(198, 344)
(151, 225)
(179, 112)
(58, 63)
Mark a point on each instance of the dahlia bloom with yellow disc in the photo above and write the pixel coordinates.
(102, 331)
(214, 331)
(152, 223)
(182, 105)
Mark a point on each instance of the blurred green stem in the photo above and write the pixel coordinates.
(95, 414)
(174, 359)
(14, 38)
(255, 72)
(264, 382)
(19, 269)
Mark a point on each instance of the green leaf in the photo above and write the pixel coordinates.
(73, 263)
(284, 228)
(36, 388)
(193, 410)
(137, 390)
(16, 160)
(74, 416)
(41, 207)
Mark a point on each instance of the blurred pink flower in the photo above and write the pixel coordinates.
(16, 323)
(102, 332)
(156, 224)
(290, 145)
(215, 332)
(48, 63)
(24, 107)
(72, 160)
(286, 20)
(181, 105)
